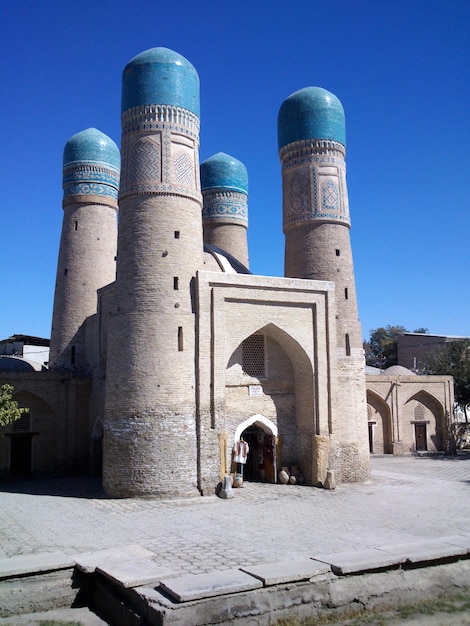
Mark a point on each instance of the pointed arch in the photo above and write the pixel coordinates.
(425, 415)
(292, 347)
(427, 399)
(283, 401)
(380, 424)
(259, 420)
(27, 398)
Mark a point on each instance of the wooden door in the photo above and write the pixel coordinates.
(420, 437)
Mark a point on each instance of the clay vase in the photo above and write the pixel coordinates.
(283, 476)
(237, 480)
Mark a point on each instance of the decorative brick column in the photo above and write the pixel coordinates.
(150, 442)
(312, 147)
(88, 242)
(224, 183)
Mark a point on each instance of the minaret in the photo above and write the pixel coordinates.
(224, 183)
(312, 147)
(150, 444)
(88, 242)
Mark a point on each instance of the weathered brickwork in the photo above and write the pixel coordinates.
(167, 353)
(295, 393)
(316, 226)
(88, 243)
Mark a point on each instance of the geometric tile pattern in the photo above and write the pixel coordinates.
(144, 163)
(151, 164)
(225, 205)
(183, 169)
(309, 193)
(330, 199)
(87, 179)
(297, 198)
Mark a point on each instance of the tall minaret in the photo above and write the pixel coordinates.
(312, 147)
(224, 183)
(87, 251)
(150, 444)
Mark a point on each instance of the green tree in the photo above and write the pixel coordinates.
(453, 359)
(381, 349)
(9, 409)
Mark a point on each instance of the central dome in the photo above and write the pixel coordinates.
(311, 113)
(160, 76)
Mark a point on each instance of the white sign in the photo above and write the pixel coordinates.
(255, 390)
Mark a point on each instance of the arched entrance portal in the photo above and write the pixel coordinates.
(260, 434)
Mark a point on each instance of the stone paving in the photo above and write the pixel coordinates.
(406, 499)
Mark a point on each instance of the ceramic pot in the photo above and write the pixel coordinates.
(237, 480)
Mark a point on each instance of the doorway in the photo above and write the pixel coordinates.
(20, 453)
(259, 465)
(421, 438)
(371, 437)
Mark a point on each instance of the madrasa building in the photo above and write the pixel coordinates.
(166, 352)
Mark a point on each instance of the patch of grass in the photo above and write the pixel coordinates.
(441, 604)
(383, 617)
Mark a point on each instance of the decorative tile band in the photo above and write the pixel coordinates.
(163, 160)
(308, 147)
(94, 189)
(90, 172)
(313, 191)
(228, 206)
(90, 179)
(157, 117)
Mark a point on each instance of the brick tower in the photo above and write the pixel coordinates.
(316, 222)
(224, 183)
(150, 443)
(88, 242)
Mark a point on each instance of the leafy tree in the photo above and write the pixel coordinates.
(381, 349)
(453, 359)
(9, 409)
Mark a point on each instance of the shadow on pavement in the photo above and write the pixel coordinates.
(69, 487)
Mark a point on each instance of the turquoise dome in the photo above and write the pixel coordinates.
(222, 171)
(311, 113)
(91, 146)
(160, 76)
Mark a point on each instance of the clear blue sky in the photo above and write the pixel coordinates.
(400, 68)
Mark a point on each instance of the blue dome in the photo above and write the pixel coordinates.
(222, 171)
(160, 76)
(91, 145)
(311, 113)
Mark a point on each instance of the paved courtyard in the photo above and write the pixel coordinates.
(405, 499)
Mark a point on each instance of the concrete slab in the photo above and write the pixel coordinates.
(425, 550)
(34, 563)
(198, 586)
(360, 560)
(287, 571)
(135, 573)
(89, 561)
(459, 540)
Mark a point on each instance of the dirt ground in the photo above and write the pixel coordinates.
(449, 611)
